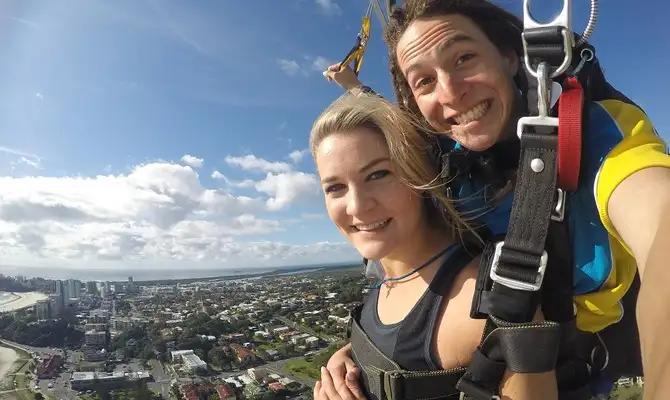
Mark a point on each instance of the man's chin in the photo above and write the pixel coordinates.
(475, 142)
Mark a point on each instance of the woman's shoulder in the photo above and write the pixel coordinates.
(457, 335)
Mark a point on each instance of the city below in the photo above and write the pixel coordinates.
(258, 335)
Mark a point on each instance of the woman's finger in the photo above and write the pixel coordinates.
(353, 385)
(317, 389)
(327, 385)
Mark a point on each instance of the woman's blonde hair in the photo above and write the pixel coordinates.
(411, 150)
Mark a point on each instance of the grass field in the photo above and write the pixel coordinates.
(311, 369)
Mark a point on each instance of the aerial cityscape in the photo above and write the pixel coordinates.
(259, 337)
(263, 336)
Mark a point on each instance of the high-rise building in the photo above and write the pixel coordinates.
(57, 304)
(73, 289)
(92, 287)
(42, 308)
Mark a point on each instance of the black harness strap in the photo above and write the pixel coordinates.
(513, 272)
(385, 379)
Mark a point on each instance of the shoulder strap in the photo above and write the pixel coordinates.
(516, 273)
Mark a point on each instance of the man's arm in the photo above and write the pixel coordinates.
(645, 227)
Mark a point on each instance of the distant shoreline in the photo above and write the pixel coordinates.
(275, 272)
(20, 301)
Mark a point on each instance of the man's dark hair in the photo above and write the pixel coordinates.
(502, 28)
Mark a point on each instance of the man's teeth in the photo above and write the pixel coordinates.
(477, 112)
(373, 226)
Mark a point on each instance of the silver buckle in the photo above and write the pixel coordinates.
(564, 20)
(558, 213)
(513, 283)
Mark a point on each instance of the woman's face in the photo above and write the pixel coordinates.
(460, 81)
(366, 200)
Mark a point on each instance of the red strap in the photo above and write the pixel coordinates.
(570, 107)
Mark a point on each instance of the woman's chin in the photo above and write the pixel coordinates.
(373, 251)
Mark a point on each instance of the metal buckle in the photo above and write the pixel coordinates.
(513, 283)
(558, 213)
(543, 119)
(564, 20)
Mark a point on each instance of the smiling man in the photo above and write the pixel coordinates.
(456, 64)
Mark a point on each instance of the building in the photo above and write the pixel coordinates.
(244, 355)
(95, 338)
(48, 367)
(225, 393)
(43, 309)
(72, 289)
(193, 363)
(99, 316)
(92, 354)
(176, 356)
(57, 304)
(110, 381)
(257, 374)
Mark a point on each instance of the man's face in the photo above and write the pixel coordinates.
(461, 82)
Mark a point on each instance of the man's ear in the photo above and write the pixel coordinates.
(511, 60)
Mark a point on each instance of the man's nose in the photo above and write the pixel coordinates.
(450, 90)
(359, 201)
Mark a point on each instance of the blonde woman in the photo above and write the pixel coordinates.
(377, 174)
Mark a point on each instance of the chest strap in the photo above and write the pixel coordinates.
(384, 379)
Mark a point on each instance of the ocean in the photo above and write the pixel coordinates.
(146, 274)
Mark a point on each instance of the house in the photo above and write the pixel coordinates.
(243, 354)
(257, 374)
(225, 393)
(276, 386)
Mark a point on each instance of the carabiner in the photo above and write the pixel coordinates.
(563, 20)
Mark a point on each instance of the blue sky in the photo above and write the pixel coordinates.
(102, 101)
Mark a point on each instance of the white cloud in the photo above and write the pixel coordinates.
(290, 67)
(286, 188)
(329, 7)
(22, 157)
(219, 175)
(192, 161)
(252, 163)
(305, 67)
(297, 155)
(320, 64)
(158, 214)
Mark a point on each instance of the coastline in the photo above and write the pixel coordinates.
(19, 301)
(7, 358)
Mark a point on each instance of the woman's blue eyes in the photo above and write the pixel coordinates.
(377, 175)
(372, 177)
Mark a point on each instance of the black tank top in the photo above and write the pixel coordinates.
(409, 342)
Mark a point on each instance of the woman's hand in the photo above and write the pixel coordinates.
(347, 388)
(346, 78)
(340, 379)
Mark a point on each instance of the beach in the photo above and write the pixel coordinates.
(17, 301)
(7, 358)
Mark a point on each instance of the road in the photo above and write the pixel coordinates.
(30, 349)
(162, 379)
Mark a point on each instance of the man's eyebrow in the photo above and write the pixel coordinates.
(366, 167)
(441, 48)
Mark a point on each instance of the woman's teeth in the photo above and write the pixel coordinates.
(373, 226)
